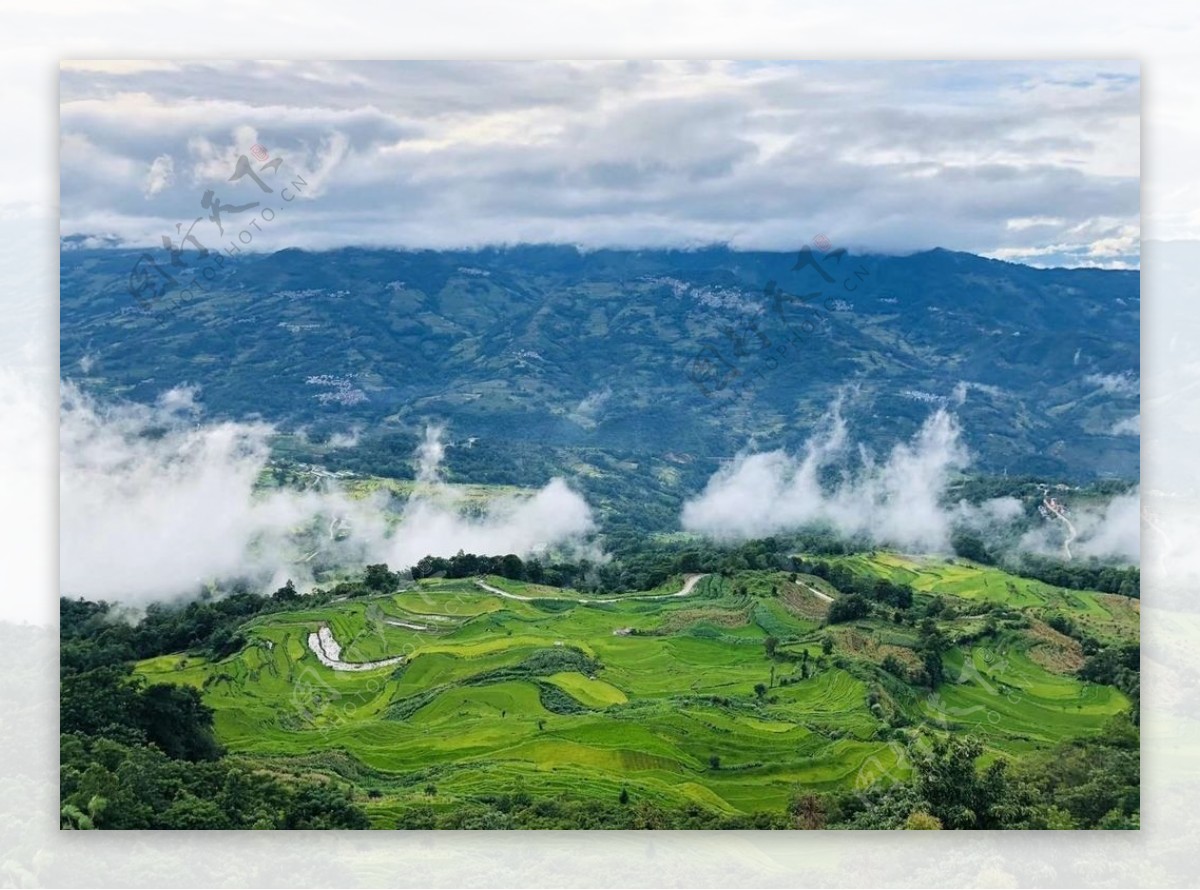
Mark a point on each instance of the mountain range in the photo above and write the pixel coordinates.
(679, 358)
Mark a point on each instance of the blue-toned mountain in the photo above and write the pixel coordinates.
(671, 356)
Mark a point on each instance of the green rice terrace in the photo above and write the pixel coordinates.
(730, 692)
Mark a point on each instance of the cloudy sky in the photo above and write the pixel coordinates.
(1034, 162)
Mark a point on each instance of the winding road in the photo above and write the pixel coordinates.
(504, 593)
(689, 582)
(396, 622)
(1071, 533)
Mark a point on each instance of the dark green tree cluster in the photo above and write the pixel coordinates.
(970, 546)
(1088, 783)
(641, 565)
(848, 608)
(139, 755)
(107, 783)
(1091, 575)
(94, 633)
(628, 810)
(878, 590)
(467, 565)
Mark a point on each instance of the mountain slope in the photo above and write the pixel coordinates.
(686, 356)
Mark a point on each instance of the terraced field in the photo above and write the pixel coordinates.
(673, 698)
(1104, 615)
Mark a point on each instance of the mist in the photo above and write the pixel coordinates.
(156, 502)
(899, 500)
(1107, 531)
(433, 522)
(895, 501)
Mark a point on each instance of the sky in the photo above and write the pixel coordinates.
(1034, 162)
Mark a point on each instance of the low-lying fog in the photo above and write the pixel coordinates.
(157, 500)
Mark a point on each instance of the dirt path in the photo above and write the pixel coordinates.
(817, 593)
(333, 525)
(396, 622)
(504, 593)
(329, 653)
(689, 582)
(1071, 533)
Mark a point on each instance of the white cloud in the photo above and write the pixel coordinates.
(896, 501)
(345, 440)
(1115, 384)
(1116, 530)
(154, 504)
(1109, 531)
(1130, 426)
(973, 156)
(590, 407)
(160, 175)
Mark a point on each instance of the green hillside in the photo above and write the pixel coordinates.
(732, 699)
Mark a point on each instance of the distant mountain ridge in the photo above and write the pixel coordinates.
(692, 354)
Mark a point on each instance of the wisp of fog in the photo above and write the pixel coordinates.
(156, 502)
(898, 501)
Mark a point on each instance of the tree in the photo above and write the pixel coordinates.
(512, 568)
(286, 594)
(771, 644)
(894, 666)
(760, 689)
(190, 813)
(73, 818)
(921, 821)
(714, 761)
(935, 672)
(380, 580)
(175, 719)
(827, 644)
(320, 806)
(961, 797)
(808, 812)
(624, 796)
(848, 608)
(1062, 624)
(970, 546)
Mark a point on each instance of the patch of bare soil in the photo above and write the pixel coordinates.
(1052, 650)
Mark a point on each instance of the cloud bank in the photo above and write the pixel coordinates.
(899, 501)
(155, 503)
(433, 522)
(895, 501)
(1030, 161)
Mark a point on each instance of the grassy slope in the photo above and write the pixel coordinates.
(468, 714)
